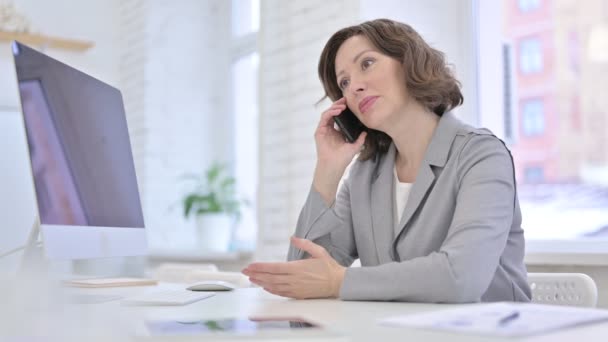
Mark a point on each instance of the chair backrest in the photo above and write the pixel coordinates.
(574, 289)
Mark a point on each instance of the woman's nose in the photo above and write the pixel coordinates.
(357, 85)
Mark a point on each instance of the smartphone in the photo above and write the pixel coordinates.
(349, 125)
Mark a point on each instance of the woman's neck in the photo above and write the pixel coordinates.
(411, 137)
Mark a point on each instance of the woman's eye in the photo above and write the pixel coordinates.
(343, 84)
(367, 63)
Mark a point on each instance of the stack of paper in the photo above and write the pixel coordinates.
(501, 319)
(109, 282)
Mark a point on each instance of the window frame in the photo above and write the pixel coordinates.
(241, 46)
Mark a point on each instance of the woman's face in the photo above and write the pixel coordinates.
(372, 83)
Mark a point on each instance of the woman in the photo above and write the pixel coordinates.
(429, 206)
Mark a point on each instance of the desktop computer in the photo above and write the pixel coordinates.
(83, 172)
(82, 166)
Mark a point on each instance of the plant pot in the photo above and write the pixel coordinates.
(214, 232)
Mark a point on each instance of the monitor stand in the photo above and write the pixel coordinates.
(35, 270)
(33, 257)
(34, 261)
(32, 248)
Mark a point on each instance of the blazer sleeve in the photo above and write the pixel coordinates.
(330, 227)
(462, 269)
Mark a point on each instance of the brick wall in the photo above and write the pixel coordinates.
(292, 34)
(175, 79)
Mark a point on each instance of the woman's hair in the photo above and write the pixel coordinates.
(427, 77)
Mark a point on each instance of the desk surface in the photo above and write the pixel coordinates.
(354, 321)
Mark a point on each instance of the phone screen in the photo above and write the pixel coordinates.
(349, 125)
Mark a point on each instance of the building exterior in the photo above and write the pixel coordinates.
(561, 113)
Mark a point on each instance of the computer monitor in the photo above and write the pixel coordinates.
(83, 172)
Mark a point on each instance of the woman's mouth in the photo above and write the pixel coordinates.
(367, 103)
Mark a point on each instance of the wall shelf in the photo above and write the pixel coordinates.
(46, 41)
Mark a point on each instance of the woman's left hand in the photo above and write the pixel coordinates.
(318, 277)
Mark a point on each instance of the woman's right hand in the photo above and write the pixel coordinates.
(334, 153)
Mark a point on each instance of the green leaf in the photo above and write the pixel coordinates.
(214, 173)
(213, 191)
(213, 326)
(188, 202)
(228, 183)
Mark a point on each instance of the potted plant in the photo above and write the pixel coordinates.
(214, 204)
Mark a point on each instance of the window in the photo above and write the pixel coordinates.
(533, 118)
(560, 149)
(528, 5)
(245, 24)
(533, 175)
(246, 17)
(530, 56)
(244, 81)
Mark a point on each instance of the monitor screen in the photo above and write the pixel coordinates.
(80, 153)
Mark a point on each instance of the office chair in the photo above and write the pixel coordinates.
(573, 289)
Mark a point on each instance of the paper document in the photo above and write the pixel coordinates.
(501, 319)
(109, 282)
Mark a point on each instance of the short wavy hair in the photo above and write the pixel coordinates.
(428, 78)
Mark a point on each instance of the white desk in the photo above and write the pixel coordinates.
(355, 321)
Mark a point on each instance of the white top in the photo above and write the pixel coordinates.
(402, 190)
(402, 193)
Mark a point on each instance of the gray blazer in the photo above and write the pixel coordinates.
(459, 239)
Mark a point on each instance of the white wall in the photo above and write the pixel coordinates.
(93, 20)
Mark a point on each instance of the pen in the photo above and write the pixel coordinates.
(508, 318)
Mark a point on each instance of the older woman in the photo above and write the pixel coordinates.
(429, 205)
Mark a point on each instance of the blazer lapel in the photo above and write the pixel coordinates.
(436, 155)
(382, 206)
